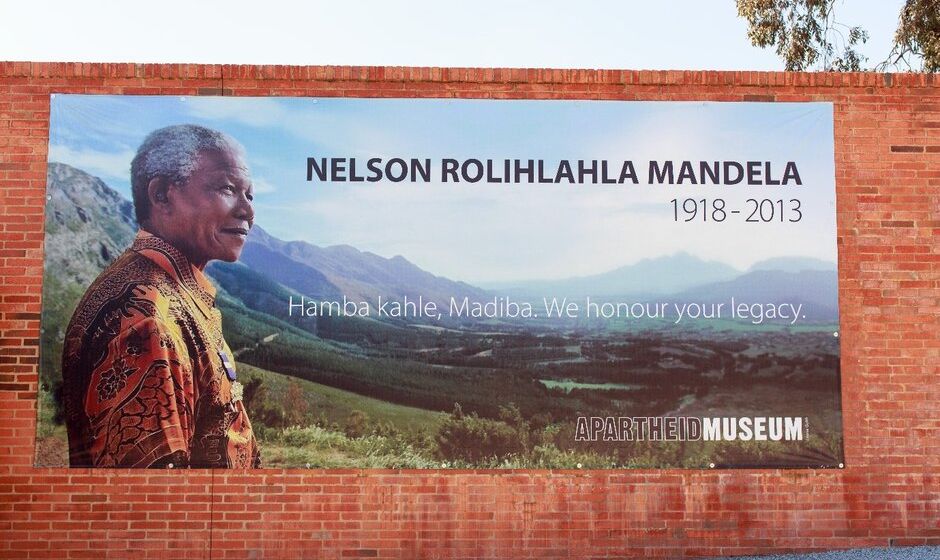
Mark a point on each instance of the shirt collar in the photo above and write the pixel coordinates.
(171, 260)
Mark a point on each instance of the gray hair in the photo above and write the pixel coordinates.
(171, 152)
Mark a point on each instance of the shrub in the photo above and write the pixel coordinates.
(473, 439)
(357, 424)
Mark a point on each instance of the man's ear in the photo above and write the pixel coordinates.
(158, 193)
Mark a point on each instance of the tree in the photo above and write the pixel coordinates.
(357, 424)
(918, 35)
(806, 34)
(479, 441)
(295, 405)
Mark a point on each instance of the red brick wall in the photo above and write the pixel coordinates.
(887, 149)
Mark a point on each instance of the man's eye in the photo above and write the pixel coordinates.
(228, 188)
(250, 197)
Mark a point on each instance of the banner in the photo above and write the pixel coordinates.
(439, 283)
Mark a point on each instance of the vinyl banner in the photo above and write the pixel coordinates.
(439, 283)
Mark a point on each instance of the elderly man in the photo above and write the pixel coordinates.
(148, 378)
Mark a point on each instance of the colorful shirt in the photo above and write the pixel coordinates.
(148, 379)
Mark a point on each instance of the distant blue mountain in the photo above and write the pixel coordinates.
(648, 277)
(302, 278)
(817, 290)
(793, 264)
(330, 272)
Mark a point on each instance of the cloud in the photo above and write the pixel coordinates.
(251, 111)
(112, 165)
(473, 232)
(347, 127)
(262, 186)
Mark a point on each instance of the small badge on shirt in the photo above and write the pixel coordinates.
(237, 391)
(227, 364)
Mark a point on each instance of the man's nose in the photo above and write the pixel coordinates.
(245, 209)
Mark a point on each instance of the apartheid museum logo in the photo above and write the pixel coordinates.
(689, 428)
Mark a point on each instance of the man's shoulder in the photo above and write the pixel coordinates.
(130, 280)
(131, 267)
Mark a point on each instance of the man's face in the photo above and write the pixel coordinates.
(209, 217)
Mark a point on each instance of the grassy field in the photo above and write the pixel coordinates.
(336, 405)
(568, 385)
(317, 447)
(333, 428)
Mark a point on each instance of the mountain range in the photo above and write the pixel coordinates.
(332, 272)
(88, 224)
(648, 277)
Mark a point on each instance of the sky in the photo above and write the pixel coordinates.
(667, 34)
(662, 34)
(494, 231)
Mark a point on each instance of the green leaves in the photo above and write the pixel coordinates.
(918, 35)
(807, 36)
(804, 33)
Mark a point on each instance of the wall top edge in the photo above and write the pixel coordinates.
(104, 70)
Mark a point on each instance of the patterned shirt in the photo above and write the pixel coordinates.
(148, 380)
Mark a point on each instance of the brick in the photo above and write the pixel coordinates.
(888, 494)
